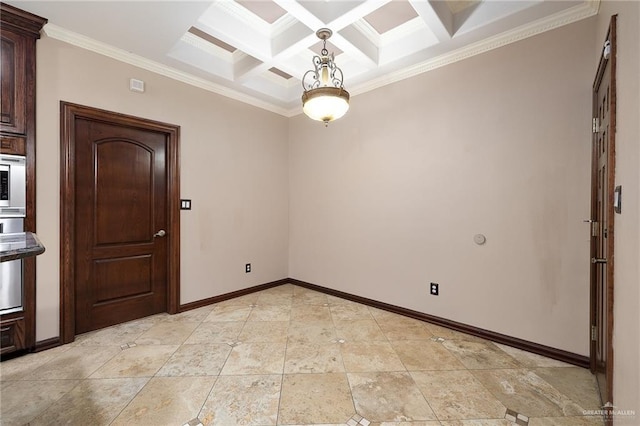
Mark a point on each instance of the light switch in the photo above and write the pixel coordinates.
(185, 204)
(617, 199)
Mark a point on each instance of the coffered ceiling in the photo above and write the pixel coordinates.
(256, 51)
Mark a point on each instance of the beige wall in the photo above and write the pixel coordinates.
(233, 167)
(389, 198)
(626, 335)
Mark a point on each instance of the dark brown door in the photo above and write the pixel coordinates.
(121, 222)
(603, 158)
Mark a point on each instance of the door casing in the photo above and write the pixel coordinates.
(69, 112)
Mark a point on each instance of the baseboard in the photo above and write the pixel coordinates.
(216, 299)
(53, 342)
(547, 351)
(43, 345)
(40, 346)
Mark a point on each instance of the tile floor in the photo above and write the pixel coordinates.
(291, 356)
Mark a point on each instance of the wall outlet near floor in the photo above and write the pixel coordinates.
(247, 268)
(434, 289)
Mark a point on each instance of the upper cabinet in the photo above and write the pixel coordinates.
(13, 112)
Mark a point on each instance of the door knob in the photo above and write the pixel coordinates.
(598, 260)
(160, 233)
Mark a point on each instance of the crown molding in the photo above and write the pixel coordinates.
(21, 21)
(207, 47)
(75, 39)
(574, 14)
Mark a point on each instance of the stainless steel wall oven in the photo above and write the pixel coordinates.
(11, 294)
(12, 186)
(12, 213)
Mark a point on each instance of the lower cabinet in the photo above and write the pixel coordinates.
(12, 335)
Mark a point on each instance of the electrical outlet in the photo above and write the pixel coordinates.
(247, 268)
(434, 289)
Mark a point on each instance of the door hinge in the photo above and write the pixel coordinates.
(595, 125)
(594, 333)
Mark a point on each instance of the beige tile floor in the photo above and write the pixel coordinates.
(290, 356)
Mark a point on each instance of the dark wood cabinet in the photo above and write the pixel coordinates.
(14, 145)
(13, 109)
(19, 31)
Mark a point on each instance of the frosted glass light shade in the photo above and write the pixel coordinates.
(325, 103)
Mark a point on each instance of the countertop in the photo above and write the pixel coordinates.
(19, 245)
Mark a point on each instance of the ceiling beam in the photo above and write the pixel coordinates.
(437, 16)
(299, 12)
(358, 46)
(356, 14)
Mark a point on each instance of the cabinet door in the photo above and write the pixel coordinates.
(14, 145)
(12, 96)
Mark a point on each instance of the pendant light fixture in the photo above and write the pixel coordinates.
(324, 98)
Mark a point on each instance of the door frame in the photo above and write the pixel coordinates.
(611, 163)
(69, 113)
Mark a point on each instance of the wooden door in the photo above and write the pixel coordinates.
(602, 219)
(121, 201)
